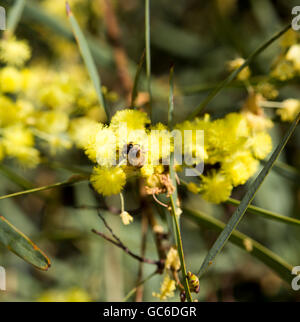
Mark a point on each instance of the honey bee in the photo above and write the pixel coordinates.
(134, 154)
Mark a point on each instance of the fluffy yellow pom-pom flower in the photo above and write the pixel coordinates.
(235, 64)
(261, 144)
(284, 70)
(108, 180)
(216, 187)
(192, 187)
(10, 80)
(159, 144)
(105, 147)
(101, 146)
(71, 295)
(80, 129)
(240, 167)
(172, 260)
(2, 153)
(52, 122)
(293, 55)
(9, 111)
(147, 170)
(134, 120)
(290, 109)
(167, 289)
(18, 143)
(14, 52)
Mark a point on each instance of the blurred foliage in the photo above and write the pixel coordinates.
(198, 37)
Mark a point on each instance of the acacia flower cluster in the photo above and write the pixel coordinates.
(39, 107)
(231, 148)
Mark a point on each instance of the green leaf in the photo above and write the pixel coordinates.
(34, 12)
(73, 179)
(260, 211)
(134, 93)
(175, 210)
(22, 246)
(241, 209)
(266, 213)
(176, 230)
(171, 98)
(180, 251)
(131, 292)
(14, 16)
(101, 51)
(87, 57)
(148, 50)
(286, 171)
(266, 256)
(233, 75)
(14, 177)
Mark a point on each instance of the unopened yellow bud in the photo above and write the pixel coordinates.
(126, 218)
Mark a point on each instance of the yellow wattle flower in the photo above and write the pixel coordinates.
(289, 110)
(284, 70)
(80, 130)
(18, 143)
(108, 180)
(261, 144)
(71, 295)
(235, 64)
(293, 55)
(2, 153)
(216, 187)
(172, 260)
(147, 170)
(9, 111)
(240, 167)
(52, 122)
(14, 52)
(10, 80)
(126, 218)
(167, 288)
(134, 120)
(192, 187)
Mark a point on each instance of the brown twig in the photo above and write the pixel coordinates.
(176, 278)
(158, 236)
(126, 250)
(108, 228)
(121, 58)
(158, 201)
(117, 242)
(140, 287)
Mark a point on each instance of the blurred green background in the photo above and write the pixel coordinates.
(198, 37)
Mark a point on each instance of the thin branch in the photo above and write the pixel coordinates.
(121, 59)
(117, 242)
(127, 251)
(139, 284)
(140, 288)
(157, 236)
(175, 218)
(148, 52)
(72, 180)
(180, 252)
(233, 75)
(109, 228)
